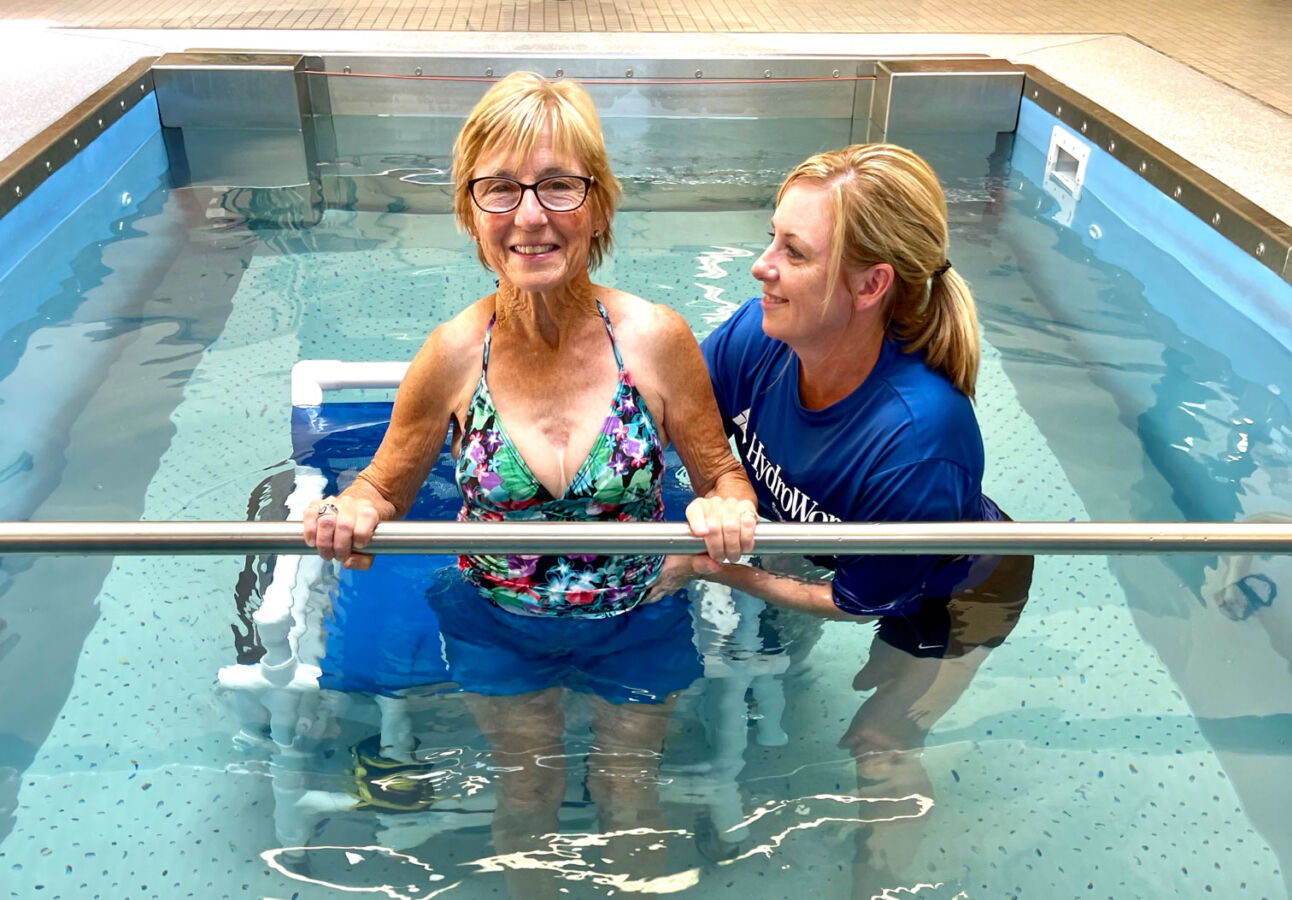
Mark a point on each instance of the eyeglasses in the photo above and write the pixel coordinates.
(556, 193)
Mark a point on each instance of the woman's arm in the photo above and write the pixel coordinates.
(725, 511)
(387, 487)
(803, 593)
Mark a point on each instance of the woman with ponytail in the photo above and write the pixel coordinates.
(848, 387)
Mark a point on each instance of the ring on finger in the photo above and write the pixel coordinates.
(328, 509)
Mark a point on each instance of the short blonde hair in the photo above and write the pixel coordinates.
(513, 113)
(888, 207)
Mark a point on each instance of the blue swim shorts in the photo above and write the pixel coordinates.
(640, 656)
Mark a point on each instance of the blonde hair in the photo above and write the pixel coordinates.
(513, 114)
(888, 207)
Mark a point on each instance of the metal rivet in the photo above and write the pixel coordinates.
(699, 73)
(560, 73)
(417, 71)
(1177, 192)
(1215, 220)
(142, 89)
(1143, 167)
(76, 142)
(489, 72)
(1035, 93)
(123, 104)
(1058, 110)
(100, 123)
(17, 189)
(836, 73)
(49, 166)
(1260, 249)
(628, 73)
(1112, 145)
(767, 73)
(345, 69)
(1084, 126)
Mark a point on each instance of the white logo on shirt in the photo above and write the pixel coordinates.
(793, 503)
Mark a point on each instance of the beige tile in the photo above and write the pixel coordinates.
(1243, 43)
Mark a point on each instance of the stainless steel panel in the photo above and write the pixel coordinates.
(245, 157)
(862, 101)
(624, 87)
(950, 95)
(881, 97)
(235, 90)
(1257, 232)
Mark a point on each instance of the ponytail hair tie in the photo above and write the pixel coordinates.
(942, 269)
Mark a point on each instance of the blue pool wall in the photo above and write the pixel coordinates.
(135, 138)
(59, 302)
(1243, 283)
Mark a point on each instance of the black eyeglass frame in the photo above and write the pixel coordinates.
(588, 182)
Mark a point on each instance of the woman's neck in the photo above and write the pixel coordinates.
(835, 367)
(544, 316)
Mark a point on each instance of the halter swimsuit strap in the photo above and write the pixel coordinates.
(614, 345)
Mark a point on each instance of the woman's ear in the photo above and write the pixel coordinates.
(870, 285)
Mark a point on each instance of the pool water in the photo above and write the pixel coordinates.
(1128, 740)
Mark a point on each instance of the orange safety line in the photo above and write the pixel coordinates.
(624, 80)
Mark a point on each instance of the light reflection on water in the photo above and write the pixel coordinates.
(572, 857)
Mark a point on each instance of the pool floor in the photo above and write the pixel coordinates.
(1072, 767)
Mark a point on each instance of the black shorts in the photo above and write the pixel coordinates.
(981, 616)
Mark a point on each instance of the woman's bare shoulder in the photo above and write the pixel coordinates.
(457, 338)
(653, 325)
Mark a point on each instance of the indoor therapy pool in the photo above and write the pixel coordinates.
(233, 726)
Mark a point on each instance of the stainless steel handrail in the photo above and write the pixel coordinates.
(1022, 538)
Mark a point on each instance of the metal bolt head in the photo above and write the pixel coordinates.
(49, 166)
(699, 73)
(1112, 145)
(489, 72)
(76, 142)
(1177, 192)
(1260, 249)
(1143, 167)
(835, 73)
(17, 189)
(100, 123)
(628, 73)
(123, 104)
(1058, 110)
(1215, 220)
(560, 73)
(345, 69)
(767, 73)
(1035, 93)
(1084, 126)
(417, 71)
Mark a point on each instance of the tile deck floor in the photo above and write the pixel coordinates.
(1246, 44)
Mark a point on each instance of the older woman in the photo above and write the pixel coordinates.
(560, 396)
(848, 387)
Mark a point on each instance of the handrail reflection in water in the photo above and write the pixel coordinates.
(905, 538)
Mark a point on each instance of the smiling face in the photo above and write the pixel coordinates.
(532, 248)
(795, 271)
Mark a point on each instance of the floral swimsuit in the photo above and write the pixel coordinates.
(619, 481)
